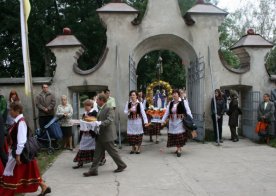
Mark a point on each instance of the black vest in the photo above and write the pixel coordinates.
(180, 110)
(137, 114)
(12, 137)
(93, 113)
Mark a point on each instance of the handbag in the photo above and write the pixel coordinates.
(188, 122)
(261, 127)
(31, 147)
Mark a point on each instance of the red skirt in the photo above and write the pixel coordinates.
(26, 179)
(177, 140)
(135, 139)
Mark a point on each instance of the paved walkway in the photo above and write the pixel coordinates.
(237, 169)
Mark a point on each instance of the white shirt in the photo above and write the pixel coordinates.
(21, 140)
(265, 105)
(21, 134)
(135, 126)
(175, 124)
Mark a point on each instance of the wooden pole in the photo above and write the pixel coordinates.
(24, 35)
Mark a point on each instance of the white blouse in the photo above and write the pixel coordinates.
(175, 124)
(21, 140)
(21, 134)
(135, 126)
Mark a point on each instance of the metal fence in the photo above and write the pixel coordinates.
(250, 103)
(196, 90)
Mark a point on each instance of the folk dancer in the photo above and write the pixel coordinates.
(135, 111)
(176, 110)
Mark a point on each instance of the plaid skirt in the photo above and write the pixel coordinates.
(153, 129)
(177, 140)
(135, 139)
(84, 156)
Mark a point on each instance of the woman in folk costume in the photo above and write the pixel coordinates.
(19, 177)
(175, 111)
(87, 141)
(135, 111)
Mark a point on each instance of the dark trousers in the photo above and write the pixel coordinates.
(220, 120)
(101, 147)
(43, 120)
(234, 134)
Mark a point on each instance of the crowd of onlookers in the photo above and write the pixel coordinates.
(14, 130)
(17, 176)
(220, 107)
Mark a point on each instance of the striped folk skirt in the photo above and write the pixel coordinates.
(26, 179)
(135, 139)
(177, 140)
(84, 156)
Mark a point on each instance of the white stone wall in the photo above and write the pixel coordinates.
(162, 28)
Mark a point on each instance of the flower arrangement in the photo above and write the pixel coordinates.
(156, 113)
(150, 88)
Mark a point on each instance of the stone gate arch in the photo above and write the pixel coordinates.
(193, 64)
(195, 38)
(170, 42)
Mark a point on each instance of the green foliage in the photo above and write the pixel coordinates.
(257, 15)
(173, 70)
(140, 5)
(271, 61)
(46, 160)
(272, 143)
(46, 21)
(10, 53)
(185, 5)
(231, 58)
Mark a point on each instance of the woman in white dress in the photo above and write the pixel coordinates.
(135, 111)
(175, 111)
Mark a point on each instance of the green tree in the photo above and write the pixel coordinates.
(10, 43)
(46, 21)
(173, 70)
(260, 16)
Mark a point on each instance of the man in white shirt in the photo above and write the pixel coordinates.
(110, 100)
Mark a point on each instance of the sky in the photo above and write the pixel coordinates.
(231, 5)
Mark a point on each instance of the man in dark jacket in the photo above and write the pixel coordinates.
(45, 103)
(105, 139)
(233, 114)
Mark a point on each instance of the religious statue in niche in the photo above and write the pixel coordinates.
(159, 99)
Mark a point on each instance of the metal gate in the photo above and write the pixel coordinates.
(132, 75)
(250, 103)
(196, 91)
(75, 105)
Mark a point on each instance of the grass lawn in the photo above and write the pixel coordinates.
(45, 160)
(273, 142)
